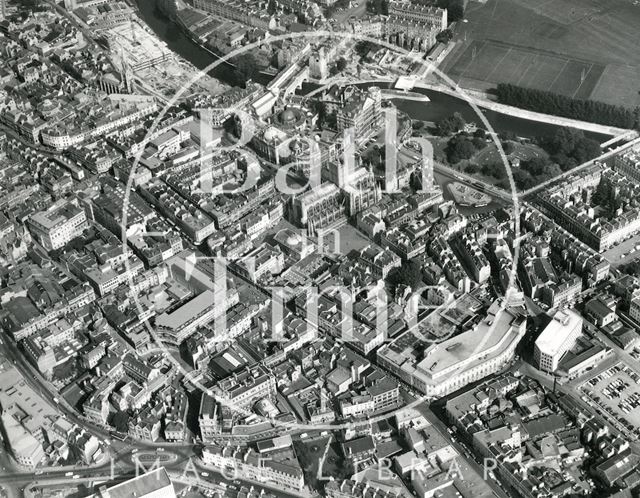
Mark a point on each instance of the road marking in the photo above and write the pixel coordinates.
(473, 59)
(558, 75)
(487, 78)
(581, 82)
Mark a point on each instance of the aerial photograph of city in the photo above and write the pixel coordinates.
(319, 248)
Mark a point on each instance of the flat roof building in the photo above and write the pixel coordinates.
(153, 484)
(58, 225)
(459, 360)
(558, 337)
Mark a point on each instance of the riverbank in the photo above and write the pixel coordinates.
(405, 95)
(481, 100)
(443, 100)
(181, 41)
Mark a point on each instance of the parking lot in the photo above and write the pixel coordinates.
(615, 394)
(625, 252)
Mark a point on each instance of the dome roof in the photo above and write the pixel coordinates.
(288, 116)
(293, 240)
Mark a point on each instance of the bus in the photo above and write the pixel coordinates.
(118, 435)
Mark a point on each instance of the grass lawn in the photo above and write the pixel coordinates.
(490, 155)
(566, 46)
(522, 151)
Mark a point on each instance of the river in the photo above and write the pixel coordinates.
(441, 105)
(177, 40)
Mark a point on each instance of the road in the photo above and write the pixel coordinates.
(183, 469)
(477, 467)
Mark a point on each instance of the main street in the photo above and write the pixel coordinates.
(181, 465)
(469, 456)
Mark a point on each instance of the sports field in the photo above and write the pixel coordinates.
(490, 61)
(581, 48)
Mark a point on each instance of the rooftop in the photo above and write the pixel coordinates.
(553, 337)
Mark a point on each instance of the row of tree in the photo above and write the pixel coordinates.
(561, 105)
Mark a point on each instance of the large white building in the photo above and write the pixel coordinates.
(459, 360)
(153, 484)
(558, 337)
(58, 225)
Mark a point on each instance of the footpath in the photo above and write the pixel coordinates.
(480, 99)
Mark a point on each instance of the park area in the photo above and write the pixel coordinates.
(578, 48)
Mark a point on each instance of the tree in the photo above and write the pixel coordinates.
(632, 268)
(565, 140)
(493, 169)
(569, 147)
(471, 169)
(445, 36)
(246, 68)
(409, 274)
(535, 166)
(121, 421)
(586, 149)
(523, 179)
(480, 133)
(508, 148)
(272, 7)
(452, 124)
(460, 148)
(479, 143)
(562, 105)
(363, 47)
(341, 64)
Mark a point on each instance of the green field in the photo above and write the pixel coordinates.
(579, 48)
(491, 61)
